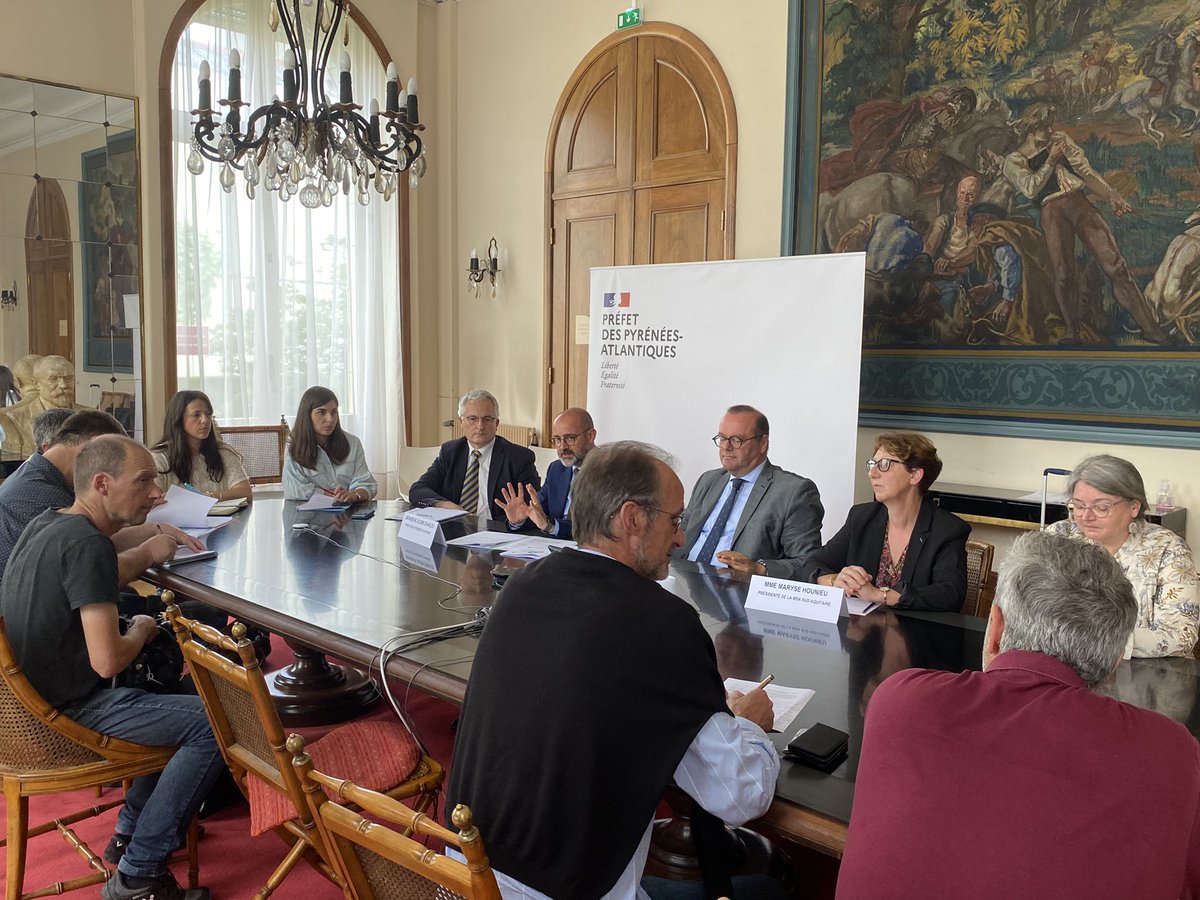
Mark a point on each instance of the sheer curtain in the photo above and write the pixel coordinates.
(271, 297)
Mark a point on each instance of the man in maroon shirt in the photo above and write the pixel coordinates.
(1019, 781)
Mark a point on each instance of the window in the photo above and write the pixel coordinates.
(271, 297)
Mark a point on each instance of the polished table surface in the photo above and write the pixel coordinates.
(346, 588)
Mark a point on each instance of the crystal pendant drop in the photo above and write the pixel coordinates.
(380, 180)
(273, 17)
(251, 190)
(389, 187)
(227, 178)
(251, 170)
(295, 172)
(419, 166)
(226, 147)
(364, 198)
(327, 194)
(287, 151)
(310, 196)
(195, 162)
(346, 182)
(413, 179)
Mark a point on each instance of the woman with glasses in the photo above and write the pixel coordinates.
(1108, 506)
(899, 549)
(323, 457)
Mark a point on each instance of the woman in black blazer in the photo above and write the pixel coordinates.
(899, 549)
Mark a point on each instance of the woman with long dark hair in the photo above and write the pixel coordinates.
(191, 455)
(323, 457)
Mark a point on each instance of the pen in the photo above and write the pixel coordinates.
(762, 684)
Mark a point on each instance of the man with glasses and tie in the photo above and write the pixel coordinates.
(751, 515)
(469, 472)
(550, 508)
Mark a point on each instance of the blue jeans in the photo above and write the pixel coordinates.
(158, 808)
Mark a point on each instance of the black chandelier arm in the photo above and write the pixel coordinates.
(321, 56)
(293, 29)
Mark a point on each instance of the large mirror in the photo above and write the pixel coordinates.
(69, 236)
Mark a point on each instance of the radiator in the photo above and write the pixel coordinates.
(521, 435)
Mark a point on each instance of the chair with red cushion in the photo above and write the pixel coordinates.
(377, 862)
(251, 738)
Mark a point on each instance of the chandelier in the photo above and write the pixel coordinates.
(304, 144)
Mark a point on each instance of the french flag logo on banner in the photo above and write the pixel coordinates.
(614, 299)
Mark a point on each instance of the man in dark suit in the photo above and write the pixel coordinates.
(750, 515)
(469, 472)
(549, 509)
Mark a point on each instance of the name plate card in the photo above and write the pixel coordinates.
(423, 531)
(794, 598)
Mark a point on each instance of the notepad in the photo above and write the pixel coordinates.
(228, 507)
(788, 701)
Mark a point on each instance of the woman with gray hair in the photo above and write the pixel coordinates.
(1108, 506)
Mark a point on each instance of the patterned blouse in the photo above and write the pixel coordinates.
(1159, 565)
(889, 570)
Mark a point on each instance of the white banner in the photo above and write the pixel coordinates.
(673, 346)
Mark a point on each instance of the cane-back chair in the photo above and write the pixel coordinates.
(44, 752)
(251, 738)
(981, 585)
(378, 862)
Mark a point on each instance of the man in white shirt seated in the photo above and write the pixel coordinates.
(592, 688)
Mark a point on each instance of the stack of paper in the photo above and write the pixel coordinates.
(322, 501)
(184, 509)
(533, 547)
(486, 540)
(788, 701)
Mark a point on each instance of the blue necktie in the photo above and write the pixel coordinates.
(718, 529)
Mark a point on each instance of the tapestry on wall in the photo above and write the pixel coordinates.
(1024, 177)
(108, 214)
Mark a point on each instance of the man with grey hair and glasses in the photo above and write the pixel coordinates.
(471, 472)
(592, 688)
(1020, 781)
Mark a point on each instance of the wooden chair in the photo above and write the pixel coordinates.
(262, 448)
(251, 738)
(44, 752)
(981, 582)
(379, 863)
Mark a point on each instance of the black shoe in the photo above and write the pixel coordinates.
(164, 887)
(119, 842)
(116, 848)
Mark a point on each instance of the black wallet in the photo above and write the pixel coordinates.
(820, 747)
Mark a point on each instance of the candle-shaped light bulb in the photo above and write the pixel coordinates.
(374, 122)
(205, 85)
(235, 76)
(346, 94)
(290, 88)
(474, 261)
(412, 101)
(402, 104)
(393, 89)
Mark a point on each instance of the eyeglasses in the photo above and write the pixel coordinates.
(1101, 508)
(475, 420)
(882, 464)
(735, 442)
(564, 440)
(676, 520)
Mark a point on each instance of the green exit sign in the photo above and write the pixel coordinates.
(629, 18)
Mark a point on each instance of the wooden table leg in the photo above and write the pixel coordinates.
(312, 691)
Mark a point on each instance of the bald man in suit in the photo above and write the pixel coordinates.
(751, 515)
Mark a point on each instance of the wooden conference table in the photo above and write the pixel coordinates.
(348, 593)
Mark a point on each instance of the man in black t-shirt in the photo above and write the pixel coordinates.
(59, 601)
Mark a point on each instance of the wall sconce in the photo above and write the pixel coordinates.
(476, 273)
(8, 299)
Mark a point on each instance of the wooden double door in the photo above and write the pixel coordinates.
(640, 168)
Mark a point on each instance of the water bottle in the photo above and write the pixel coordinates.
(1165, 503)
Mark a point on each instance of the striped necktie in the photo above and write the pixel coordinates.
(469, 500)
(718, 529)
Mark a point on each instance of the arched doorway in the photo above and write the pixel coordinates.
(48, 262)
(641, 167)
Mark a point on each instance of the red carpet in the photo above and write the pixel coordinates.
(232, 864)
